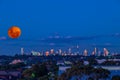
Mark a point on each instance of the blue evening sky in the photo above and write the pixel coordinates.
(42, 18)
(39, 18)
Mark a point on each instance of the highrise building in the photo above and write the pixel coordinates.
(69, 51)
(47, 53)
(22, 51)
(85, 52)
(51, 51)
(77, 49)
(60, 51)
(106, 52)
(94, 52)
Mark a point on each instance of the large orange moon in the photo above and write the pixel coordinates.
(14, 32)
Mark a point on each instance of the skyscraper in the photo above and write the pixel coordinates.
(22, 51)
(51, 51)
(85, 52)
(69, 51)
(106, 52)
(94, 52)
(60, 52)
(47, 53)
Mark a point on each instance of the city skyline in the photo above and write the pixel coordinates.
(59, 39)
(86, 23)
(12, 46)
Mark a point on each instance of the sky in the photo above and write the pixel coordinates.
(43, 18)
(66, 17)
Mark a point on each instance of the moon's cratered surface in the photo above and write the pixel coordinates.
(14, 32)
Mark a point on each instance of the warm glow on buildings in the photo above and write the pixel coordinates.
(93, 53)
(95, 50)
(47, 53)
(85, 52)
(60, 51)
(52, 51)
(106, 52)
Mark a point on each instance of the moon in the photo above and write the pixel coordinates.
(14, 32)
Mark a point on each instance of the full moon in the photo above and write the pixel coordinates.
(14, 32)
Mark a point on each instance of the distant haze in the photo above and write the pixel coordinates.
(42, 18)
(13, 46)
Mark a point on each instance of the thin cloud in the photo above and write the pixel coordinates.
(77, 39)
(3, 38)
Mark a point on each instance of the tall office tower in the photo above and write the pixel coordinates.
(95, 50)
(93, 53)
(47, 53)
(60, 51)
(51, 51)
(77, 47)
(69, 51)
(85, 52)
(22, 51)
(106, 52)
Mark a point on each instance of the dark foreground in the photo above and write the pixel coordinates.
(23, 67)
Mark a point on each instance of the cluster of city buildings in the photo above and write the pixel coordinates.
(95, 52)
